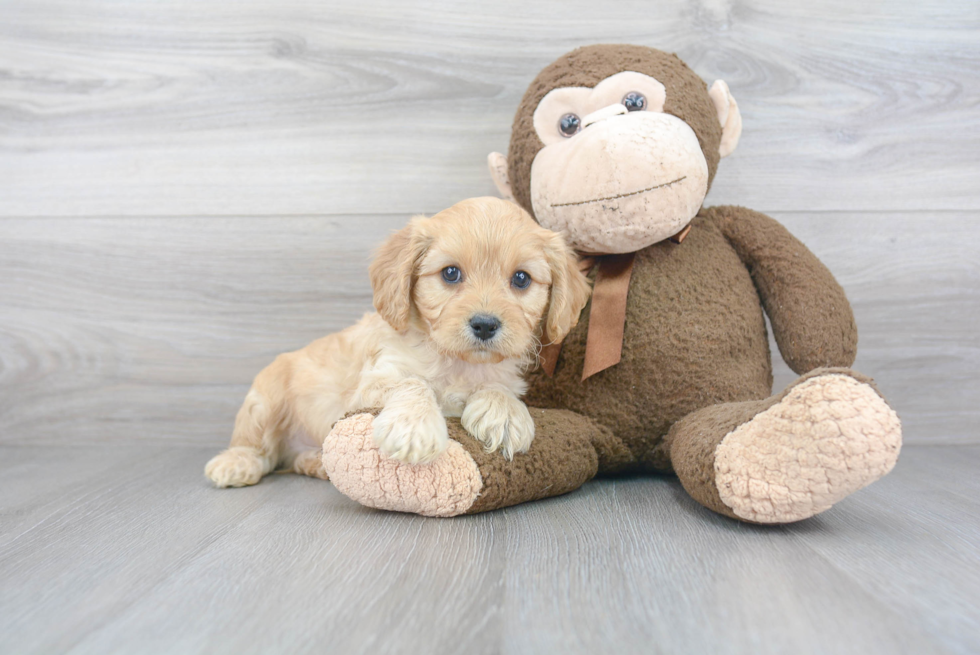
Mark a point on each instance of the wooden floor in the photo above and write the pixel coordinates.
(189, 188)
(129, 550)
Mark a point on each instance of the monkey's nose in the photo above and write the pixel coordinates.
(604, 113)
(484, 326)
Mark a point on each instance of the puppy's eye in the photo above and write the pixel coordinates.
(634, 101)
(569, 124)
(521, 280)
(452, 275)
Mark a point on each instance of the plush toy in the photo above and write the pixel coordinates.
(669, 368)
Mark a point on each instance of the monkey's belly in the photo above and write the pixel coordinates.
(695, 336)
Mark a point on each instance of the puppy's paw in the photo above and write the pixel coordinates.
(414, 435)
(236, 467)
(499, 420)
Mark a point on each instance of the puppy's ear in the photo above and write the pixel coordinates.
(393, 273)
(569, 290)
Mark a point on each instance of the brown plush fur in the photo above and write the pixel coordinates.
(687, 99)
(557, 464)
(811, 318)
(570, 454)
(695, 360)
(693, 440)
(695, 332)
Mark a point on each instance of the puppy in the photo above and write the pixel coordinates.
(463, 301)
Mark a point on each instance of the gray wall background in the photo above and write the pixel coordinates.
(189, 188)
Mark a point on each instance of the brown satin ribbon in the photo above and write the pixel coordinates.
(607, 318)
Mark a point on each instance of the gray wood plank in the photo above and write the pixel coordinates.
(877, 545)
(37, 484)
(152, 329)
(153, 559)
(659, 573)
(119, 534)
(299, 568)
(376, 106)
(369, 583)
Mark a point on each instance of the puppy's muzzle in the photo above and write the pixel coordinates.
(484, 326)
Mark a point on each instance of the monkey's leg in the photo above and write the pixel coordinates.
(567, 451)
(790, 456)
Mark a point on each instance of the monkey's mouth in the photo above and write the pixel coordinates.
(621, 195)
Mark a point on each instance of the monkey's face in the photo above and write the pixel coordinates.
(615, 171)
(613, 158)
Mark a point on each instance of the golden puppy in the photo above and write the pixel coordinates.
(464, 299)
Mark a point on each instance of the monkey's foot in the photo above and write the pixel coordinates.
(792, 456)
(465, 479)
(828, 437)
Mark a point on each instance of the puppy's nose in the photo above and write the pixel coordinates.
(484, 326)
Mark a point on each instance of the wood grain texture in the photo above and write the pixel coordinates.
(152, 329)
(128, 549)
(305, 107)
(189, 188)
(943, 508)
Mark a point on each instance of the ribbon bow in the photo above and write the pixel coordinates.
(607, 318)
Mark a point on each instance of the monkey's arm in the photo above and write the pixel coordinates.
(811, 318)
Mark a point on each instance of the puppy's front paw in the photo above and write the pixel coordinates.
(414, 435)
(499, 420)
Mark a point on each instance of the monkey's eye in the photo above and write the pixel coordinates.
(634, 101)
(569, 124)
(521, 280)
(452, 275)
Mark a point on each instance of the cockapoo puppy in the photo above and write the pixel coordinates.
(464, 300)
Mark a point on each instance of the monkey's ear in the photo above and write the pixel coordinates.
(728, 115)
(393, 272)
(498, 171)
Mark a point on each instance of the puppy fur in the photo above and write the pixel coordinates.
(419, 357)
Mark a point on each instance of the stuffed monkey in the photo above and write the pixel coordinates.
(669, 369)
